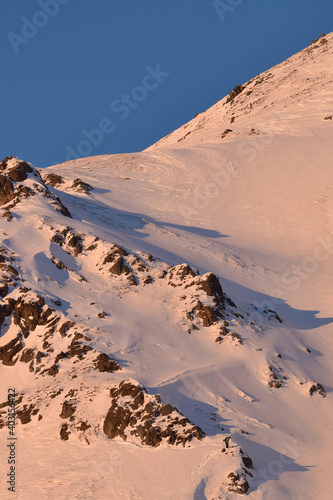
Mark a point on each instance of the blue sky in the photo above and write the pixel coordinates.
(83, 77)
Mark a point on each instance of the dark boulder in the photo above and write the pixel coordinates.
(19, 172)
(104, 364)
(68, 409)
(210, 284)
(9, 351)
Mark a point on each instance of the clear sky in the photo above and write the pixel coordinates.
(89, 77)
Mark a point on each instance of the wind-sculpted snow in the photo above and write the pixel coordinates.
(186, 300)
(74, 380)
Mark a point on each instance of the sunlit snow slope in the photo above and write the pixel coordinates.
(243, 191)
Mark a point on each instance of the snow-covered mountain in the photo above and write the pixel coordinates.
(155, 303)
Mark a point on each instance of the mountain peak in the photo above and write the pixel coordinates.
(279, 96)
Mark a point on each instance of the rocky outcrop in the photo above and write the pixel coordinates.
(53, 180)
(30, 311)
(135, 413)
(317, 388)
(9, 351)
(235, 92)
(14, 173)
(276, 379)
(238, 481)
(68, 409)
(6, 190)
(81, 187)
(104, 364)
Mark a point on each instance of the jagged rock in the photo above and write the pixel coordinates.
(60, 207)
(61, 355)
(210, 284)
(19, 172)
(83, 426)
(53, 179)
(272, 315)
(78, 349)
(65, 327)
(238, 483)
(74, 240)
(30, 312)
(206, 314)
(27, 355)
(119, 266)
(3, 290)
(167, 409)
(235, 92)
(59, 240)
(104, 364)
(16, 170)
(68, 409)
(134, 412)
(177, 274)
(6, 190)
(53, 370)
(81, 186)
(6, 309)
(102, 315)
(64, 432)
(9, 351)
(26, 413)
(39, 356)
(247, 461)
(317, 388)
(275, 381)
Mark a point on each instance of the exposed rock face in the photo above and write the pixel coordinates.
(81, 186)
(6, 190)
(239, 480)
(26, 413)
(54, 347)
(20, 172)
(53, 179)
(104, 364)
(235, 92)
(212, 286)
(9, 351)
(14, 173)
(238, 483)
(134, 412)
(30, 311)
(64, 432)
(275, 377)
(68, 409)
(317, 388)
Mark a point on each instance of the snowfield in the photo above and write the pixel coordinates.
(130, 364)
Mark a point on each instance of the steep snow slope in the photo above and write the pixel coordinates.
(253, 205)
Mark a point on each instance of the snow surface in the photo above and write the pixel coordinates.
(248, 207)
